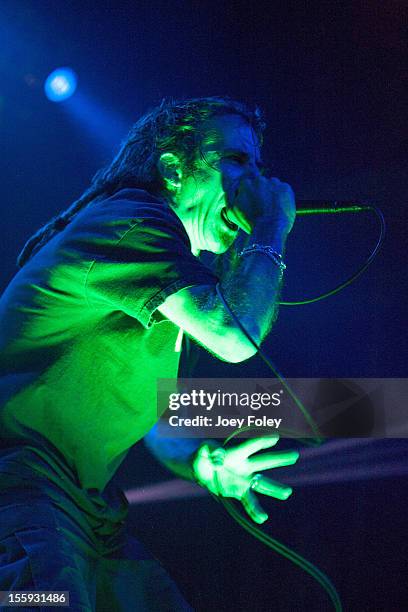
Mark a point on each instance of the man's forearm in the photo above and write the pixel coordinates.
(251, 283)
(264, 209)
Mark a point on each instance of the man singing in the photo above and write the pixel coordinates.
(90, 322)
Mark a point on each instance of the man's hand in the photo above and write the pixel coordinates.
(261, 200)
(233, 473)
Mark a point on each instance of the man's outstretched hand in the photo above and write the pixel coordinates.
(234, 473)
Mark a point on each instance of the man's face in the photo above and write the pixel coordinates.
(230, 151)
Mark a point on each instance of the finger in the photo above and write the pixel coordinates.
(266, 486)
(235, 215)
(243, 450)
(268, 461)
(253, 507)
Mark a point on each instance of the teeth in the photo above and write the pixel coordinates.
(228, 222)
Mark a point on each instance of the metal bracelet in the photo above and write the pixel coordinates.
(266, 250)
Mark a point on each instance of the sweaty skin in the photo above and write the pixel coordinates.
(228, 179)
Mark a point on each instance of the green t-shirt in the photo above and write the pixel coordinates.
(82, 344)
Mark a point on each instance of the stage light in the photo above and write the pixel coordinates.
(60, 84)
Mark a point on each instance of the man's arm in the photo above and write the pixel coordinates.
(265, 211)
(176, 454)
(250, 286)
(232, 472)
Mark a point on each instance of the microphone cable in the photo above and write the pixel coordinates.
(229, 506)
(322, 579)
(360, 270)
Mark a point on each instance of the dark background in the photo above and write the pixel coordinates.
(329, 77)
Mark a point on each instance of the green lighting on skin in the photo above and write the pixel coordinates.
(234, 473)
(199, 197)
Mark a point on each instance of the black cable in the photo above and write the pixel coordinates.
(297, 559)
(272, 367)
(354, 276)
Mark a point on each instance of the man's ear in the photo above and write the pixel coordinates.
(169, 167)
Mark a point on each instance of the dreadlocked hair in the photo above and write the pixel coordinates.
(173, 126)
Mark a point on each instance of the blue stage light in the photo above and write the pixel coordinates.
(60, 84)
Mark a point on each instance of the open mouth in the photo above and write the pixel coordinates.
(228, 223)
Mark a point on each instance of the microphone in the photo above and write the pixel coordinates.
(316, 207)
(329, 207)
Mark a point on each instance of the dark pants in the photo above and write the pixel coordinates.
(43, 548)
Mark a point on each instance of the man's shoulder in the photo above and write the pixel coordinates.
(127, 216)
(137, 201)
(136, 196)
(129, 206)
